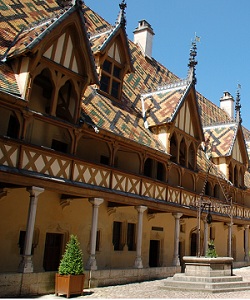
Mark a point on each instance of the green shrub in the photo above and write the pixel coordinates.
(71, 262)
(211, 252)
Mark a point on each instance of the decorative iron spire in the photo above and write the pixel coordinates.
(192, 62)
(238, 106)
(121, 17)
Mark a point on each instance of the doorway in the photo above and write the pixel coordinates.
(52, 251)
(154, 253)
(193, 250)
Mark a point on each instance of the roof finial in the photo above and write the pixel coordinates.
(192, 62)
(121, 17)
(238, 105)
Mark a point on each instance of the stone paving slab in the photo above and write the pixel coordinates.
(154, 289)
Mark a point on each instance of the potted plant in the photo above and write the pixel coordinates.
(70, 277)
(211, 252)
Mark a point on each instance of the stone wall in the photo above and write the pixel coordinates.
(19, 284)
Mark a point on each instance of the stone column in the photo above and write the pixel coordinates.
(26, 264)
(246, 232)
(229, 246)
(205, 235)
(176, 258)
(138, 260)
(96, 202)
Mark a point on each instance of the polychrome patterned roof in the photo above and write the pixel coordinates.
(8, 81)
(160, 106)
(220, 139)
(109, 116)
(18, 15)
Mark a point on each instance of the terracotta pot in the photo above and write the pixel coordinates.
(69, 284)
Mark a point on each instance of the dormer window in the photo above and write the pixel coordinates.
(112, 73)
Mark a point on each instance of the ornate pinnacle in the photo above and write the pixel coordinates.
(238, 106)
(192, 62)
(121, 17)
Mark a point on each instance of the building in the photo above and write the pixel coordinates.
(100, 140)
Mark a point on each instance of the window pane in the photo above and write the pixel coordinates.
(105, 83)
(107, 66)
(115, 89)
(117, 72)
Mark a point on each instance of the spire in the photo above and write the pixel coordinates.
(238, 106)
(192, 62)
(121, 17)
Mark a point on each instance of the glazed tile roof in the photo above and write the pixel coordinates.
(220, 138)
(16, 16)
(109, 116)
(8, 81)
(21, 25)
(160, 106)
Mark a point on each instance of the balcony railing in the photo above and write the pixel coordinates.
(50, 163)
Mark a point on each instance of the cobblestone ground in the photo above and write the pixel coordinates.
(155, 289)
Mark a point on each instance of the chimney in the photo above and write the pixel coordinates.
(227, 104)
(143, 36)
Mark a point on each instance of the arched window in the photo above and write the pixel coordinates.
(191, 157)
(236, 176)
(173, 148)
(13, 127)
(231, 172)
(154, 169)
(42, 91)
(183, 153)
(66, 103)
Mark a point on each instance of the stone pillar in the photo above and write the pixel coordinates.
(138, 260)
(26, 264)
(96, 202)
(229, 246)
(205, 235)
(246, 233)
(176, 258)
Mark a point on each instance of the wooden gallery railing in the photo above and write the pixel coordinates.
(50, 163)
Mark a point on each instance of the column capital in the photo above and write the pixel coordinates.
(177, 215)
(141, 208)
(34, 190)
(229, 224)
(96, 201)
(246, 226)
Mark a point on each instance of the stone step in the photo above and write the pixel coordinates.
(211, 287)
(183, 277)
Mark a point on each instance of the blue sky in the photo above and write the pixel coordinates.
(224, 48)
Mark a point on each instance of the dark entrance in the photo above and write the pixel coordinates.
(193, 244)
(154, 251)
(52, 251)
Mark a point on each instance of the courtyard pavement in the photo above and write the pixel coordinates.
(155, 289)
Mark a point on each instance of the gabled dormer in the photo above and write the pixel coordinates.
(112, 57)
(55, 65)
(225, 147)
(172, 113)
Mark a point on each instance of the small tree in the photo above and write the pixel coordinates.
(71, 262)
(211, 252)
